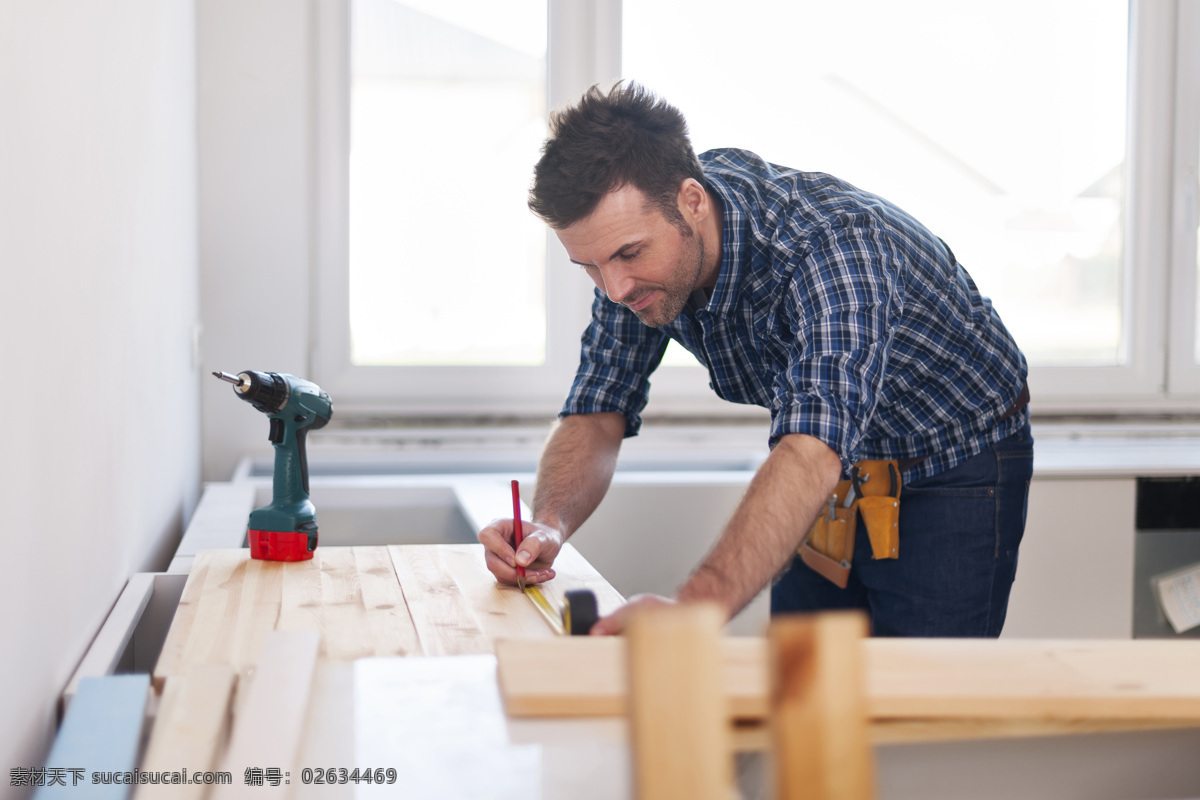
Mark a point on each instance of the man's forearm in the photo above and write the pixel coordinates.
(576, 469)
(783, 499)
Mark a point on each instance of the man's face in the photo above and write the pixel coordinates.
(635, 256)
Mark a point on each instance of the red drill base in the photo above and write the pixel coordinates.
(279, 545)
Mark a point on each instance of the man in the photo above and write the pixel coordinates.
(832, 308)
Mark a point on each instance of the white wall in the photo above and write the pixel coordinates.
(254, 106)
(99, 461)
(1075, 568)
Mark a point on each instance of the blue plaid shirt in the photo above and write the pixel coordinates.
(835, 310)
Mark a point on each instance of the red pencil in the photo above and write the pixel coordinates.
(518, 534)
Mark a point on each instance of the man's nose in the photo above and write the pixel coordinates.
(618, 284)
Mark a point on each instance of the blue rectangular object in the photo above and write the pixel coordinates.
(96, 748)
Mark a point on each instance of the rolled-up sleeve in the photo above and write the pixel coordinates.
(618, 354)
(842, 308)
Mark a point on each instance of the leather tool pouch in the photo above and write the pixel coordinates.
(829, 547)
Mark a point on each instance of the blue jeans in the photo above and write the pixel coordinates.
(959, 534)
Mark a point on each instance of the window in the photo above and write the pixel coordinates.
(1035, 138)
(447, 110)
(436, 292)
(1016, 162)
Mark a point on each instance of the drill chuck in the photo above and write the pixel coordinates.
(266, 391)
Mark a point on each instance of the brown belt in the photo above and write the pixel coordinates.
(1021, 401)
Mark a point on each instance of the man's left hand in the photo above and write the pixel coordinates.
(614, 624)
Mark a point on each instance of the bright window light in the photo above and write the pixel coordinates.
(447, 114)
(1001, 127)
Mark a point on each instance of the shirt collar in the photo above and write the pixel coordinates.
(734, 249)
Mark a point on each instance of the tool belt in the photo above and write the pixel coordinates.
(873, 491)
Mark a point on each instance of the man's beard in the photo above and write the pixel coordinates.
(677, 292)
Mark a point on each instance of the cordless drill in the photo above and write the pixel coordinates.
(285, 530)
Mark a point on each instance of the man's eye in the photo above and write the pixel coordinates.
(631, 256)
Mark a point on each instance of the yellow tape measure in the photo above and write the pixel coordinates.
(543, 605)
(577, 615)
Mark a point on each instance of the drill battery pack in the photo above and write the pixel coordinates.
(282, 545)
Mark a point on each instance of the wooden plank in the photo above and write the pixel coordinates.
(351, 595)
(749, 736)
(913, 679)
(678, 717)
(190, 729)
(1034, 679)
(585, 676)
(458, 607)
(820, 747)
(329, 737)
(444, 620)
(572, 571)
(229, 604)
(390, 627)
(365, 601)
(100, 734)
(270, 719)
(890, 730)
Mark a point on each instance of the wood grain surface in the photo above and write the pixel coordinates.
(585, 676)
(678, 721)
(458, 608)
(269, 724)
(189, 730)
(364, 601)
(820, 740)
(1063, 683)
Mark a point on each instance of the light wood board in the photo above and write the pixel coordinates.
(458, 607)
(189, 730)
(270, 721)
(1034, 679)
(585, 676)
(230, 603)
(678, 722)
(364, 601)
(1126, 682)
(820, 740)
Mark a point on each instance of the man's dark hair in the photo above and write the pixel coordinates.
(606, 141)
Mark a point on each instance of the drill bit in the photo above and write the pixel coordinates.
(236, 380)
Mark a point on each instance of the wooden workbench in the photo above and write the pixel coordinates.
(406, 673)
(440, 721)
(402, 600)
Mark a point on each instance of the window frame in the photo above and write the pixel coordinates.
(1183, 362)
(1159, 269)
(1139, 384)
(424, 390)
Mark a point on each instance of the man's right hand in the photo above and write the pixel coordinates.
(574, 471)
(539, 547)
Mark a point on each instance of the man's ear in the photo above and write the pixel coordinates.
(694, 202)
